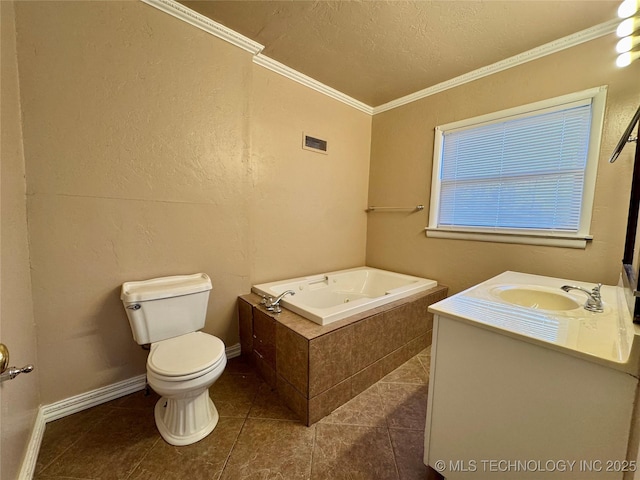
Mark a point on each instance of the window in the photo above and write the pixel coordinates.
(523, 175)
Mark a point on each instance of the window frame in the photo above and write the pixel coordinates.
(597, 96)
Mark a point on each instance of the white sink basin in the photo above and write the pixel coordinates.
(535, 297)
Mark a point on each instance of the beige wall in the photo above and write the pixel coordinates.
(144, 159)
(401, 163)
(20, 397)
(307, 208)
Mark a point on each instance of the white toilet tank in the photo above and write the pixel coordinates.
(166, 307)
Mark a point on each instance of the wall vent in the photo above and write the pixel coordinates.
(314, 143)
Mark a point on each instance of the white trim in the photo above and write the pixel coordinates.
(233, 351)
(597, 98)
(33, 448)
(78, 403)
(198, 20)
(598, 104)
(307, 81)
(583, 97)
(528, 56)
(548, 240)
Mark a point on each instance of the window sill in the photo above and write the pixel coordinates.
(549, 240)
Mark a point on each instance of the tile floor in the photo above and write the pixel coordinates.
(378, 435)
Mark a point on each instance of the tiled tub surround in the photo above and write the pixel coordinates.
(316, 368)
(332, 296)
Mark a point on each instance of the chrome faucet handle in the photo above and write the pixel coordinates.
(266, 300)
(594, 300)
(275, 308)
(596, 291)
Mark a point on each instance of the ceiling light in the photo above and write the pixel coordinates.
(626, 58)
(628, 8)
(627, 43)
(626, 27)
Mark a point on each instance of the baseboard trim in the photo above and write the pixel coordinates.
(28, 467)
(233, 351)
(78, 403)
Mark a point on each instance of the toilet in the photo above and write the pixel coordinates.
(183, 362)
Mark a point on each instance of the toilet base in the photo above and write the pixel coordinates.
(186, 420)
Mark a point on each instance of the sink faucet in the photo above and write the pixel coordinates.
(274, 305)
(594, 300)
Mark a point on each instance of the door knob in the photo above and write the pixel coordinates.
(14, 371)
(4, 357)
(4, 365)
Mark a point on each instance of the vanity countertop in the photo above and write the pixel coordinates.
(609, 338)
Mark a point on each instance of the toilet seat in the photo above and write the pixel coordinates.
(186, 357)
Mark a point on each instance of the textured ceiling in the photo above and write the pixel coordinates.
(377, 51)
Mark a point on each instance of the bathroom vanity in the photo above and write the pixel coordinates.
(526, 383)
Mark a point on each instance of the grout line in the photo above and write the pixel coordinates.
(393, 453)
(235, 442)
(42, 472)
(135, 467)
(384, 405)
(381, 426)
(270, 419)
(313, 448)
(72, 444)
(244, 422)
(405, 383)
(407, 429)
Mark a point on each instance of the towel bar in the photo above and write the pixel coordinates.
(417, 208)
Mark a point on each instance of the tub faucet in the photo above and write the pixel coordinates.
(274, 305)
(594, 300)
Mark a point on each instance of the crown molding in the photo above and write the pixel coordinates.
(528, 56)
(198, 20)
(303, 79)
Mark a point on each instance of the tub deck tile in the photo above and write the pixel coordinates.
(310, 330)
(316, 369)
(330, 359)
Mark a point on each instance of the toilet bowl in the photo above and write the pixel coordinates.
(181, 370)
(183, 362)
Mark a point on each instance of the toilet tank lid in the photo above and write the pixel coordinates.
(165, 287)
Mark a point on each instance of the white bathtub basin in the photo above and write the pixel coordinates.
(332, 296)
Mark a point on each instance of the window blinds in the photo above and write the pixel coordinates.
(522, 173)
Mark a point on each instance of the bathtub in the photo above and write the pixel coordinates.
(329, 297)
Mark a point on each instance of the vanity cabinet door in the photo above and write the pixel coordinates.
(496, 398)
